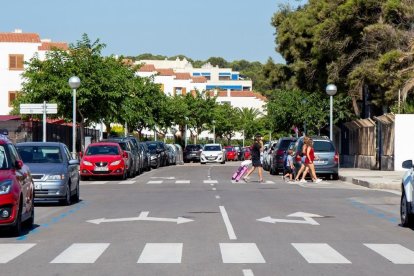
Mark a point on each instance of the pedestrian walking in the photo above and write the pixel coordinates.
(289, 168)
(256, 153)
(303, 157)
(309, 163)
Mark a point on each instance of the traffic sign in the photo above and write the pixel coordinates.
(38, 108)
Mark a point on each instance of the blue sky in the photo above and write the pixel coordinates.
(232, 29)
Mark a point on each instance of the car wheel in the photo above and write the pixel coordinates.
(77, 194)
(406, 217)
(272, 170)
(68, 198)
(84, 178)
(335, 176)
(30, 221)
(202, 163)
(16, 229)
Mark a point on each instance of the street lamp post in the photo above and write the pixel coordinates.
(214, 131)
(185, 142)
(74, 83)
(331, 91)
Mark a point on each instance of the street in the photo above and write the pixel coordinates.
(193, 220)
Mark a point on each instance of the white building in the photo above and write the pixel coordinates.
(16, 48)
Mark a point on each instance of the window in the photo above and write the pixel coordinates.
(12, 97)
(180, 91)
(16, 62)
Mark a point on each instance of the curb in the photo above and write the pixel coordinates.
(373, 183)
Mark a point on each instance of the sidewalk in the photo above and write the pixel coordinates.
(388, 180)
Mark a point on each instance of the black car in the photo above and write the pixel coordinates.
(192, 153)
(278, 154)
(159, 155)
(146, 156)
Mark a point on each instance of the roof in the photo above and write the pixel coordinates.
(47, 46)
(147, 68)
(199, 79)
(165, 72)
(9, 118)
(20, 37)
(182, 76)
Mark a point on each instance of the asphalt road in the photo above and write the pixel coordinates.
(192, 220)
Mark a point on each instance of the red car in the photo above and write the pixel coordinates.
(16, 189)
(104, 159)
(246, 152)
(231, 153)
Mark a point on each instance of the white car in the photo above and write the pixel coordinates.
(407, 205)
(212, 153)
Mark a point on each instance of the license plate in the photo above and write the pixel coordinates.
(101, 169)
(319, 162)
(192, 154)
(38, 186)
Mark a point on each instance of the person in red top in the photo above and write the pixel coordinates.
(310, 166)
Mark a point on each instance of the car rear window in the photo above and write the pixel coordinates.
(323, 146)
(284, 144)
(40, 154)
(102, 150)
(193, 147)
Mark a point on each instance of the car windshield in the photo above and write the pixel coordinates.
(4, 164)
(212, 148)
(323, 146)
(102, 150)
(40, 154)
(152, 147)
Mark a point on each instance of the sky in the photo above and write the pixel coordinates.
(232, 29)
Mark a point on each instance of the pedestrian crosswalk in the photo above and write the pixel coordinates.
(169, 181)
(231, 253)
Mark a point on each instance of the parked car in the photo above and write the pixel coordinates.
(247, 153)
(279, 153)
(132, 159)
(328, 158)
(267, 154)
(180, 156)
(192, 153)
(16, 190)
(212, 153)
(145, 155)
(172, 154)
(103, 159)
(231, 153)
(407, 188)
(239, 151)
(158, 153)
(138, 150)
(55, 173)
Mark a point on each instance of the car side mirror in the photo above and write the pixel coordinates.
(81, 154)
(125, 155)
(74, 162)
(18, 164)
(407, 164)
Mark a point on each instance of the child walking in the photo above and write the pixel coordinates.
(289, 167)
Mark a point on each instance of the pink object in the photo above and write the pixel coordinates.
(238, 174)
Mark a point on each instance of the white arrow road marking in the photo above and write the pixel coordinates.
(143, 216)
(307, 219)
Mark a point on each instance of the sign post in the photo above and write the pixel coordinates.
(43, 108)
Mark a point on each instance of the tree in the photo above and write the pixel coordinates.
(226, 121)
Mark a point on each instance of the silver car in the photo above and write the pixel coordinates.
(54, 172)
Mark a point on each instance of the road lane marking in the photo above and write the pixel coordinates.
(218, 197)
(320, 253)
(182, 182)
(229, 227)
(214, 189)
(210, 181)
(155, 182)
(81, 253)
(9, 251)
(241, 253)
(247, 272)
(97, 182)
(143, 216)
(127, 182)
(161, 253)
(395, 253)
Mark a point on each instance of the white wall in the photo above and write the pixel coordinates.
(10, 80)
(404, 142)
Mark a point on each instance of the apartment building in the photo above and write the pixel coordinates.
(16, 48)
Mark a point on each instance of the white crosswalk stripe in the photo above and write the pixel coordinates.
(128, 182)
(182, 182)
(241, 253)
(97, 182)
(320, 253)
(161, 253)
(232, 253)
(395, 253)
(210, 181)
(9, 251)
(81, 253)
(155, 182)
